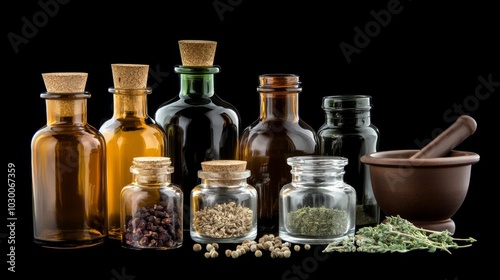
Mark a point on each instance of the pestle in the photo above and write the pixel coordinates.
(440, 146)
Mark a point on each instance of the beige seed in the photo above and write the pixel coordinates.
(228, 252)
(209, 247)
(197, 247)
(258, 253)
(267, 245)
(296, 248)
(235, 254)
(253, 248)
(287, 253)
(307, 246)
(214, 254)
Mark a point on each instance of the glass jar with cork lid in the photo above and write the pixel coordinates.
(223, 205)
(151, 215)
(317, 206)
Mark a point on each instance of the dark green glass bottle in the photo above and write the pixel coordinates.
(199, 125)
(348, 132)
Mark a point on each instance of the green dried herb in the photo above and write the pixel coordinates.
(397, 235)
(317, 221)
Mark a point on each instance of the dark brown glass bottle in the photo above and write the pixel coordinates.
(68, 159)
(267, 143)
(198, 124)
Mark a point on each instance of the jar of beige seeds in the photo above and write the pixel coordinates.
(223, 207)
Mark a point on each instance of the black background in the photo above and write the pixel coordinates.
(428, 59)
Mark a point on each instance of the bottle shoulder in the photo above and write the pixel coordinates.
(130, 124)
(366, 130)
(181, 110)
(50, 136)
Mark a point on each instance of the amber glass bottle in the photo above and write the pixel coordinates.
(130, 133)
(278, 133)
(68, 158)
(199, 125)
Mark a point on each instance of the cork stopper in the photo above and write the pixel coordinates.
(151, 162)
(150, 168)
(65, 82)
(197, 52)
(224, 166)
(224, 172)
(130, 76)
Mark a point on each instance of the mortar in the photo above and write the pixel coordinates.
(427, 186)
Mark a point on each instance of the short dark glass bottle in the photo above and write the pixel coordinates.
(278, 133)
(198, 124)
(348, 132)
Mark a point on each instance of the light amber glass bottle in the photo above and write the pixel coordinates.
(130, 133)
(278, 133)
(68, 158)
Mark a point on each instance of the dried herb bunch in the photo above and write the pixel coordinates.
(318, 221)
(396, 234)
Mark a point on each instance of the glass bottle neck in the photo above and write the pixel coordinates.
(66, 108)
(279, 97)
(279, 106)
(317, 170)
(130, 103)
(348, 117)
(196, 82)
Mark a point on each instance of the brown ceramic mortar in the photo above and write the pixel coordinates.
(425, 191)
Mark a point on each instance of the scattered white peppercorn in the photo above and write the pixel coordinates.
(235, 254)
(258, 253)
(268, 242)
(214, 253)
(197, 247)
(287, 253)
(209, 247)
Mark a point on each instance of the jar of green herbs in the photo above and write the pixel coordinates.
(317, 206)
